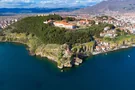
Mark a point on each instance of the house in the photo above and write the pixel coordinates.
(98, 48)
(15, 20)
(42, 15)
(84, 22)
(107, 28)
(133, 31)
(103, 48)
(48, 21)
(97, 22)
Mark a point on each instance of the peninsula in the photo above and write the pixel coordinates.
(68, 40)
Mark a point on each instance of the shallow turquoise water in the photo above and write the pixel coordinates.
(20, 71)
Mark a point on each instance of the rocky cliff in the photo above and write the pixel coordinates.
(64, 55)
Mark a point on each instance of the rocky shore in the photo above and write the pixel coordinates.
(61, 54)
(66, 56)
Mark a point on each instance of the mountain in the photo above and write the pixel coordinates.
(120, 6)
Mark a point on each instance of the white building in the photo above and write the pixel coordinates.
(133, 31)
(64, 25)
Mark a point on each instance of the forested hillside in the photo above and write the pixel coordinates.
(54, 35)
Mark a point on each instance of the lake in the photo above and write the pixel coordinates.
(20, 71)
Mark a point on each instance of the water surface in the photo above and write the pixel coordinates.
(20, 71)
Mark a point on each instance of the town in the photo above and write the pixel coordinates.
(123, 23)
(76, 22)
(6, 21)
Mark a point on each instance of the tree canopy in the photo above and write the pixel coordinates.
(54, 35)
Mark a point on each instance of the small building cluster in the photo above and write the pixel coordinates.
(131, 28)
(42, 15)
(124, 22)
(108, 32)
(83, 22)
(102, 46)
(133, 31)
(7, 22)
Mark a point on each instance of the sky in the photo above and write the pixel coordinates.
(46, 3)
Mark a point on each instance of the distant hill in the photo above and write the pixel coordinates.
(8, 11)
(120, 6)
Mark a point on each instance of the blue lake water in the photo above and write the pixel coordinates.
(20, 71)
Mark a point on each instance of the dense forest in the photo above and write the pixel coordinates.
(50, 34)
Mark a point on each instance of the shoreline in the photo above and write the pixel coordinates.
(122, 47)
(50, 58)
(27, 48)
(53, 59)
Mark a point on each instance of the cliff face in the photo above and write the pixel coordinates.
(50, 51)
(63, 55)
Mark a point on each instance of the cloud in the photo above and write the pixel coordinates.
(15, 1)
(46, 3)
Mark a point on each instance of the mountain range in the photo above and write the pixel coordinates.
(120, 6)
(10, 11)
